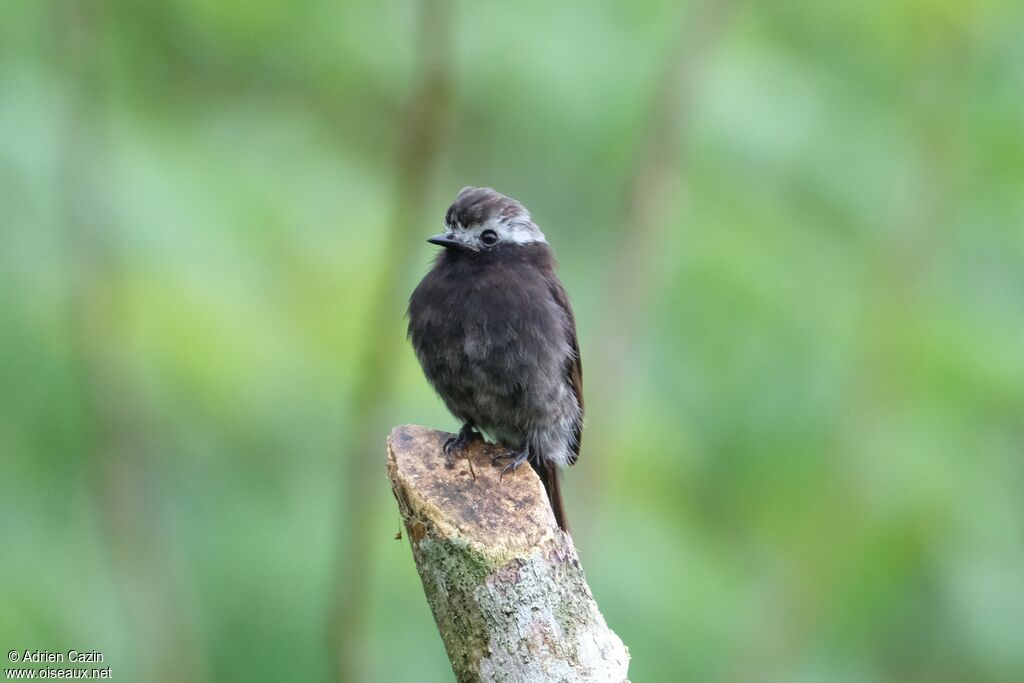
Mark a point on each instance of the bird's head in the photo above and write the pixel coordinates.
(481, 219)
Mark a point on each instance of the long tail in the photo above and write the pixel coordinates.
(549, 474)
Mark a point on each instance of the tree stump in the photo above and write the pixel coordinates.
(504, 582)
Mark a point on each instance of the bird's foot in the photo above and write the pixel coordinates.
(515, 458)
(457, 444)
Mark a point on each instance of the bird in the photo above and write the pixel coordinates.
(494, 331)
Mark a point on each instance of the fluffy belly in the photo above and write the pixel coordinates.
(500, 408)
(516, 409)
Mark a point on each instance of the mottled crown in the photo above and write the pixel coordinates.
(478, 205)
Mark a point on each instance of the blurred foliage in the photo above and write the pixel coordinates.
(812, 473)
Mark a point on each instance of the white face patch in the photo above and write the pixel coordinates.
(518, 230)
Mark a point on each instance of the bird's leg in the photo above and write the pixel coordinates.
(457, 443)
(515, 458)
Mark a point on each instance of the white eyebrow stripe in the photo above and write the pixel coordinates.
(517, 232)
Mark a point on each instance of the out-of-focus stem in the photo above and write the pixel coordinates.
(114, 435)
(384, 337)
(646, 219)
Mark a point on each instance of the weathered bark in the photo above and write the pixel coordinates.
(504, 582)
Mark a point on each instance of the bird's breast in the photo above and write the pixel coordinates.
(493, 336)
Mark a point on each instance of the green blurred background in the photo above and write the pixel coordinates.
(793, 232)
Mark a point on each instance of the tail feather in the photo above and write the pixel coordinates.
(549, 474)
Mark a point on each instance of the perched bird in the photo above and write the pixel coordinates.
(493, 328)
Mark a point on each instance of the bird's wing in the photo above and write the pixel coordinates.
(573, 365)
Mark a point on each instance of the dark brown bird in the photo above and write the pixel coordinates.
(493, 328)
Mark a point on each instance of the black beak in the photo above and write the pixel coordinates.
(444, 240)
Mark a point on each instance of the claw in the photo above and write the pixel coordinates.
(456, 445)
(450, 445)
(517, 458)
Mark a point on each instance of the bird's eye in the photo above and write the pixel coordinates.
(489, 237)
